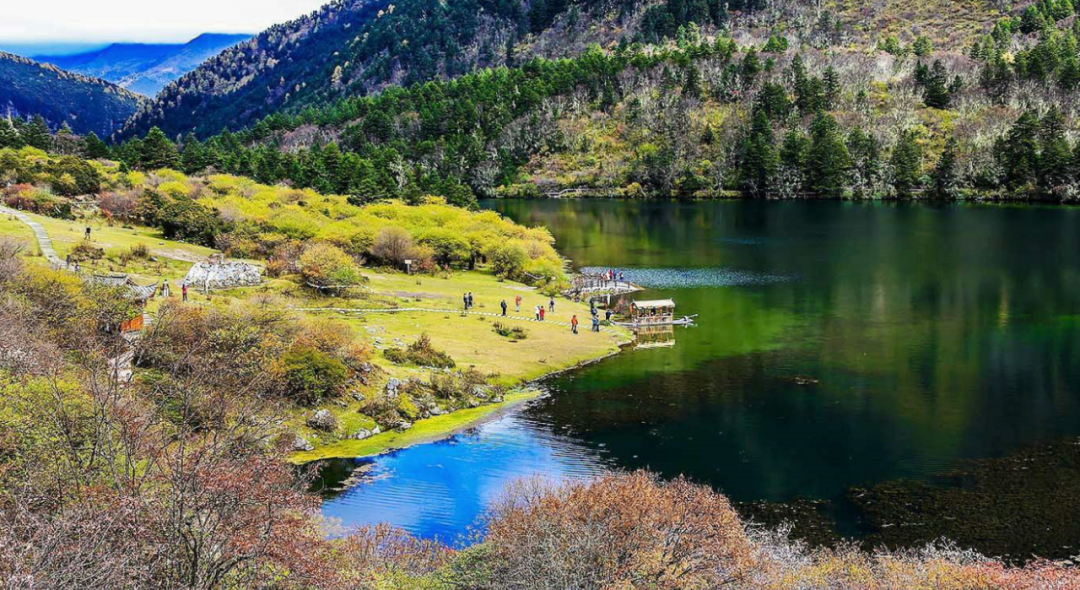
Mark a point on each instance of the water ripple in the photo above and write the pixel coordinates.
(692, 278)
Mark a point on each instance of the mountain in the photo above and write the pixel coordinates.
(355, 47)
(86, 104)
(145, 68)
(661, 108)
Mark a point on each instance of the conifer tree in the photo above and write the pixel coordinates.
(9, 137)
(158, 152)
(36, 134)
(906, 163)
(828, 162)
(95, 148)
(946, 175)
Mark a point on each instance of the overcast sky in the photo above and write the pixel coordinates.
(54, 22)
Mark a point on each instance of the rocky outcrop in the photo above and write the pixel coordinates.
(218, 273)
(323, 420)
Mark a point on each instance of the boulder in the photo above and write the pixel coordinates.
(218, 273)
(323, 420)
(301, 444)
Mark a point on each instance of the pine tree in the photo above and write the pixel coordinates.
(36, 134)
(829, 163)
(759, 157)
(158, 152)
(95, 148)
(831, 87)
(946, 175)
(1018, 152)
(866, 160)
(9, 137)
(1055, 159)
(906, 163)
(192, 155)
(922, 46)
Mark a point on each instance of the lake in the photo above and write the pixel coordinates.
(838, 344)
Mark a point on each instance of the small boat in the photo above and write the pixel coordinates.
(655, 313)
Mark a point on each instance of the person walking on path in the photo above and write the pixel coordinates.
(551, 304)
(541, 313)
(503, 305)
(517, 303)
(88, 232)
(165, 289)
(536, 310)
(183, 292)
(595, 324)
(470, 300)
(574, 324)
(67, 261)
(465, 300)
(607, 315)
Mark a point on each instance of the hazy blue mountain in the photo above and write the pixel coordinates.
(86, 104)
(144, 67)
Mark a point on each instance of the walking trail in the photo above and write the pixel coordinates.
(43, 239)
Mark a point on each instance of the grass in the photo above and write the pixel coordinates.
(470, 340)
(423, 431)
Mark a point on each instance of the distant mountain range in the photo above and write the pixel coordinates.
(86, 104)
(144, 68)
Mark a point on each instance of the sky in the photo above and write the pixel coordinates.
(83, 23)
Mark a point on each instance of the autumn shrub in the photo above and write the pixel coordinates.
(326, 266)
(619, 531)
(508, 260)
(421, 353)
(121, 205)
(312, 376)
(86, 252)
(393, 245)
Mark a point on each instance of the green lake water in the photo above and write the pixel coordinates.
(838, 344)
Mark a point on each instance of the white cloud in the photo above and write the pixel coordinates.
(32, 21)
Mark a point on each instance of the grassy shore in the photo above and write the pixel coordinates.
(471, 340)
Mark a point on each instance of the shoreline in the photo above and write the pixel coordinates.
(440, 428)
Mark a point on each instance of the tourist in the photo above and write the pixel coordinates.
(88, 232)
(183, 292)
(67, 261)
(517, 303)
(536, 310)
(541, 313)
(595, 324)
(551, 305)
(574, 324)
(470, 300)
(504, 306)
(465, 300)
(608, 314)
(622, 277)
(165, 289)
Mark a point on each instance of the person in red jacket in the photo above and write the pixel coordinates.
(542, 312)
(574, 324)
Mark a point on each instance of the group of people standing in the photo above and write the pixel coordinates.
(540, 312)
(166, 290)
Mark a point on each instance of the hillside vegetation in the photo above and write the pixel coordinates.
(354, 47)
(702, 116)
(84, 105)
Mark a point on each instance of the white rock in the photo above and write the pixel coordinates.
(217, 273)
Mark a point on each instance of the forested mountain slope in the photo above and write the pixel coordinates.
(87, 105)
(701, 115)
(353, 47)
(145, 68)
